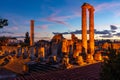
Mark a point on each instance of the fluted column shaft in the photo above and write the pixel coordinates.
(91, 30)
(84, 30)
(32, 33)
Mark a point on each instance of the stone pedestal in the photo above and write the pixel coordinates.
(98, 57)
(65, 62)
(79, 60)
(89, 58)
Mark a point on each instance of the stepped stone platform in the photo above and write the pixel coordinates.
(88, 72)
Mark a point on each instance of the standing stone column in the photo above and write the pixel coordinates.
(32, 33)
(91, 30)
(84, 29)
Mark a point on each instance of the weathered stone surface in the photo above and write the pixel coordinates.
(89, 58)
(57, 38)
(41, 54)
(65, 62)
(65, 46)
(32, 33)
(98, 56)
(79, 60)
(77, 50)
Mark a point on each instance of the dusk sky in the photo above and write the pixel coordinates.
(58, 16)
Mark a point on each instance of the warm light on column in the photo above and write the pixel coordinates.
(84, 29)
(91, 30)
(84, 7)
(31, 32)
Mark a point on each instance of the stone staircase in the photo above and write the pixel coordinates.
(47, 72)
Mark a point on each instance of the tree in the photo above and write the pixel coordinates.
(3, 22)
(111, 66)
(27, 39)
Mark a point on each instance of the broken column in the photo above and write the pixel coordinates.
(32, 33)
(41, 54)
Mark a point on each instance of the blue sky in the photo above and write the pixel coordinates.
(56, 16)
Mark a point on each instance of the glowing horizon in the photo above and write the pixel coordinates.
(57, 16)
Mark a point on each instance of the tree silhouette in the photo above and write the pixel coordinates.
(3, 22)
(111, 66)
(27, 39)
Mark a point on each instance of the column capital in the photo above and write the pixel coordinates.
(83, 7)
(91, 9)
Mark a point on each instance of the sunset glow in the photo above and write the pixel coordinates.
(57, 16)
(60, 40)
